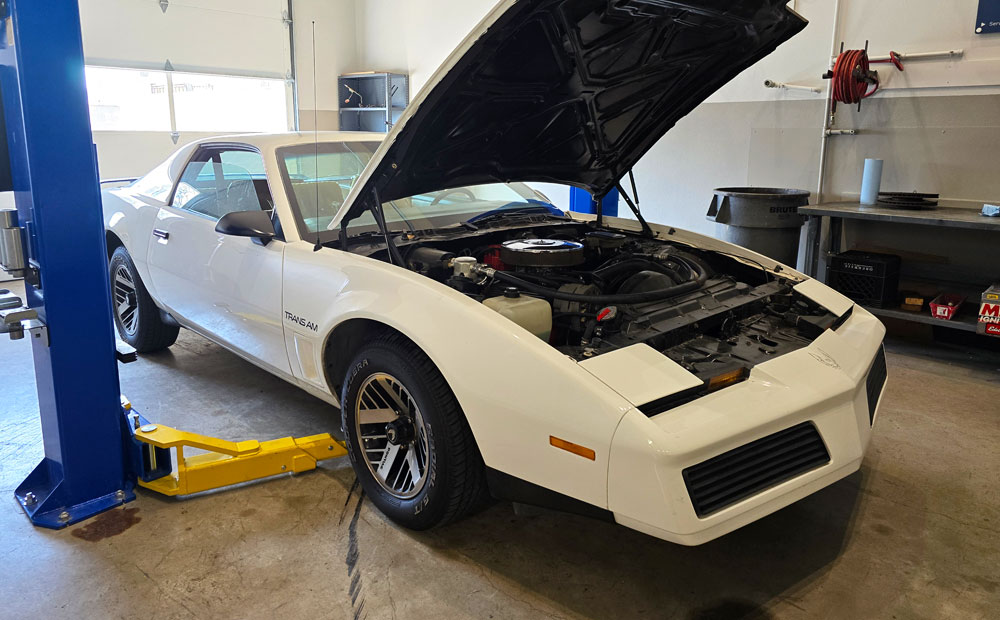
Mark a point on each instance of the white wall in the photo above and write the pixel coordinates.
(904, 26)
(426, 32)
(381, 42)
(415, 35)
(430, 29)
(927, 25)
(733, 139)
(336, 53)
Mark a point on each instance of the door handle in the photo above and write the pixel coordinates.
(162, 234)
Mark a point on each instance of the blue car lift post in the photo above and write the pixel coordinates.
(97, 449)
(581, 201)
(54, 174)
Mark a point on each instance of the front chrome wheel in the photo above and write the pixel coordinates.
(126, 300)
(392, 434)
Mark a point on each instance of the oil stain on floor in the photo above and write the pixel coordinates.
(108, 524)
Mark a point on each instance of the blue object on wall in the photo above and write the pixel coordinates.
(56, 190)
(580, 201)
(989, 17)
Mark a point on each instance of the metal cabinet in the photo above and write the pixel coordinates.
(372, 101)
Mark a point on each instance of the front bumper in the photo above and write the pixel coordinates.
(822, 385)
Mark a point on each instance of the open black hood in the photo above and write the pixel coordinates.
(569, 91)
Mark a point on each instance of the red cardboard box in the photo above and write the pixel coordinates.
(946, 305)
(989, 312)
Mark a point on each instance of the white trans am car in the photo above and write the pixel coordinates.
(479, 341)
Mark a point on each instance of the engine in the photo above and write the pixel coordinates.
(588, 292)
(542, 253)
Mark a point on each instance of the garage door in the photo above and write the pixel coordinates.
(164, 72)
(241, 37)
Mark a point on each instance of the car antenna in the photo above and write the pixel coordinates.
(318, 246)
(634, 206)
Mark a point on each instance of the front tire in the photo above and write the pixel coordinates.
(136, 315)
(407, 436)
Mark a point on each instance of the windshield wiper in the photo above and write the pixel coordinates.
(502, 213)
(402, 217)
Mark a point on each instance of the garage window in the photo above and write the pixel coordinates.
(128, 100)
(141, 100)
(217, 103)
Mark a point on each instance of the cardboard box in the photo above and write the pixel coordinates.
(913, 301)
(945, 306)
(989, 312)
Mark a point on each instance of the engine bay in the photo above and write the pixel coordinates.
(589, 291)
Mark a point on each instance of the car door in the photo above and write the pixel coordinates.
(226, 287)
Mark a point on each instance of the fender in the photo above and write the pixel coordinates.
(131, 215)
(131, 219)
(544, 393)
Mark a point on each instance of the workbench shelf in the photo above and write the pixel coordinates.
(965, 320)
(950, 218)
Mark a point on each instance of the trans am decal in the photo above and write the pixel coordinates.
(301, 321)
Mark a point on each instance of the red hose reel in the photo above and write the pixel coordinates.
(852, 78)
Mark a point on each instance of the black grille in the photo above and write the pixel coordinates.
(877, 377)
(736, 475)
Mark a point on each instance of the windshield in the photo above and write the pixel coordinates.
(318, 183)
(449, 207)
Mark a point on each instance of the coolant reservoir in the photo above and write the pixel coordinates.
(531, 313)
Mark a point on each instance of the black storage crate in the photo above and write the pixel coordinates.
(866, 277)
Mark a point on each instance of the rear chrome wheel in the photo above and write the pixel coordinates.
(393, 435)
(137, 318)
(126, 300)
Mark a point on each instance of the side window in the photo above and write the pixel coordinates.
(197, 185)
(326, 178)
(221, 181)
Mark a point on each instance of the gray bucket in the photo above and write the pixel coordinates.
(763, 219)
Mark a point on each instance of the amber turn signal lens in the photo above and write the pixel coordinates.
(569, 446)
(728, 378)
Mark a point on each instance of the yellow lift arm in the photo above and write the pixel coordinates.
(229, 462)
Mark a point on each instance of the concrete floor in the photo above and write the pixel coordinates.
(913, 535)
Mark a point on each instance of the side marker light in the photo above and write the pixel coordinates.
(727, 378)
(576, 449)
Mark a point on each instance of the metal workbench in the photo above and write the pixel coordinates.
(825, 234)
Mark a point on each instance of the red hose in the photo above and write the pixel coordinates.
(849, 77)
(894, 58)
(853, 79)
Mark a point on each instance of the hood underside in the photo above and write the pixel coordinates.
(569, 91)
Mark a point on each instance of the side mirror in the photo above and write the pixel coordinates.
(256, 224)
